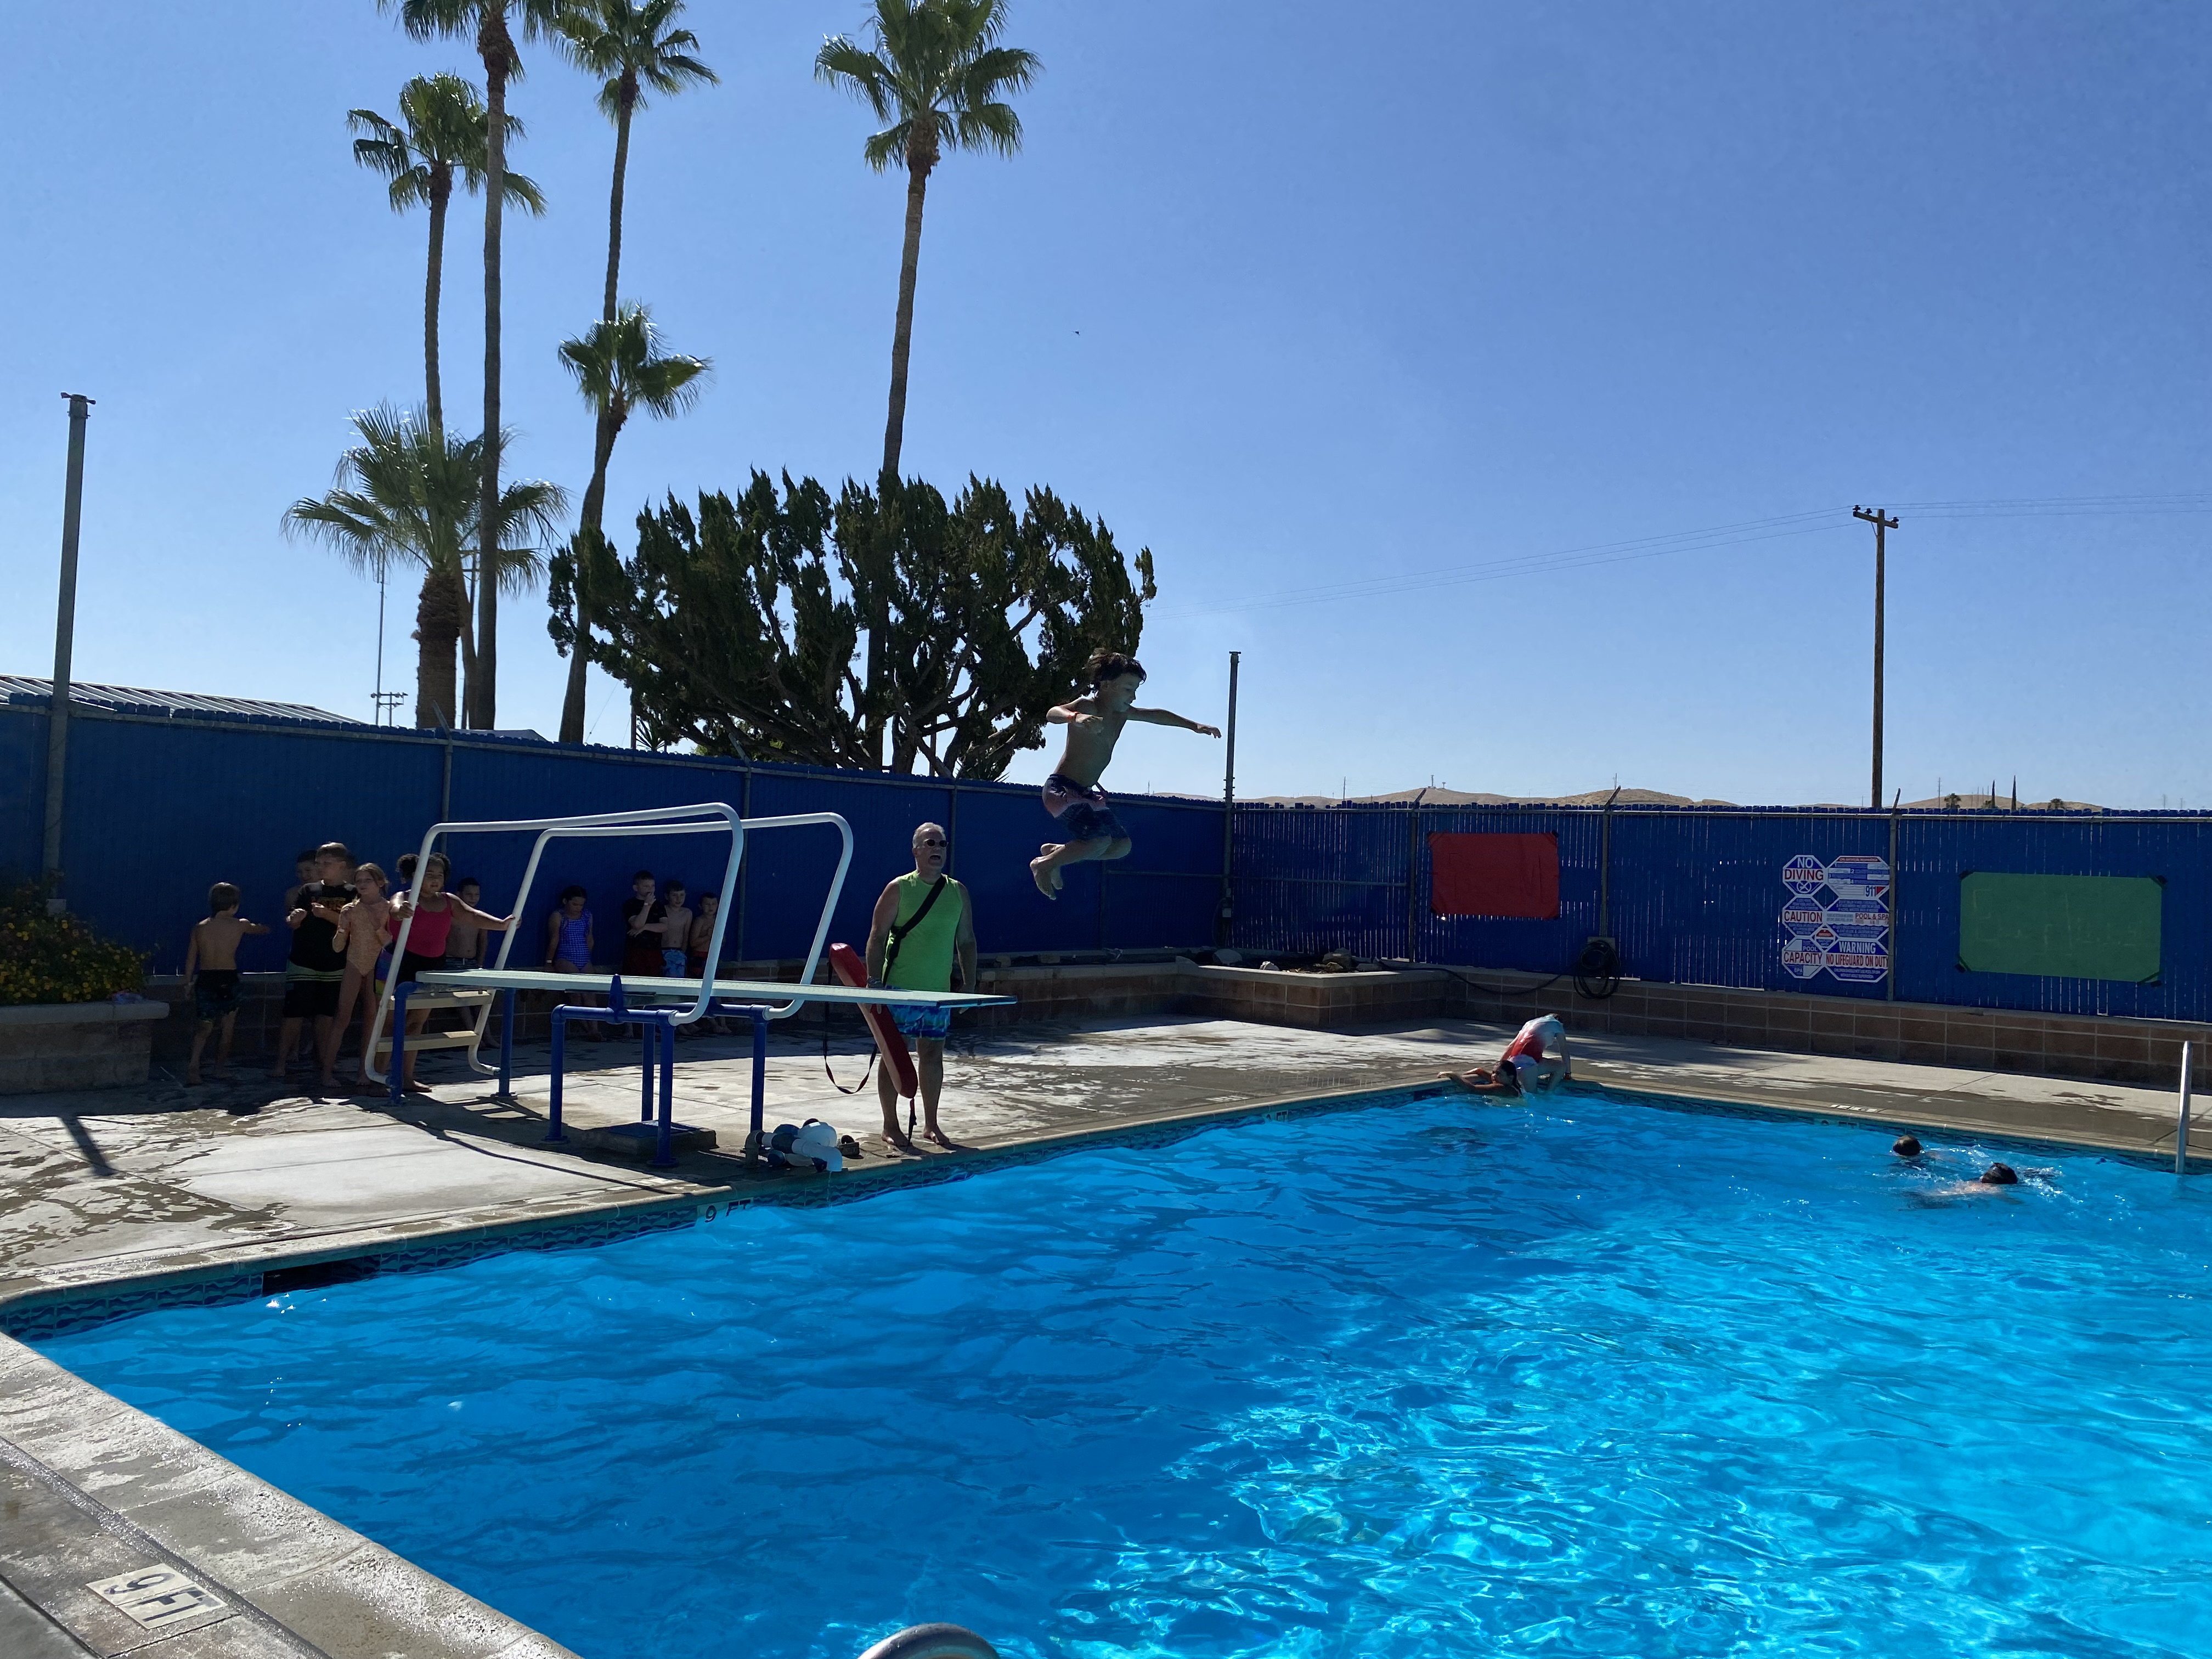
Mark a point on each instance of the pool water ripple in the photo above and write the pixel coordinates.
(1420, 1379)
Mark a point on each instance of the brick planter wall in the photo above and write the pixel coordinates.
(78, 1045)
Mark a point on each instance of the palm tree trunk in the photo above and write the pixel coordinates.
(888, 500)
(595, 496)
(441, 192)
(615, 197)
(917, 183)
(438, 616)
(498, 50)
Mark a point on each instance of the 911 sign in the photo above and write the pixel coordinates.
(1836, 919)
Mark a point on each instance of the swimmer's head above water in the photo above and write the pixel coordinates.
(1906, 1147)
(1999, 1175)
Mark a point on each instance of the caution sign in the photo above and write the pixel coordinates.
(1836, 919)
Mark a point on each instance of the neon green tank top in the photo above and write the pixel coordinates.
(925, 959)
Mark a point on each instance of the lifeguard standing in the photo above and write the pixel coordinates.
(923, 929)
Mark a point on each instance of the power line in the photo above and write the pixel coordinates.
(1741, 533)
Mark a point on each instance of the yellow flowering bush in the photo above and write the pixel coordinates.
(46, 959)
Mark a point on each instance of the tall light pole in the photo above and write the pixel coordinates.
(1229, 811)
(1881, 525)
(57, 708)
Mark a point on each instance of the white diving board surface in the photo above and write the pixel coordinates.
(724, 990)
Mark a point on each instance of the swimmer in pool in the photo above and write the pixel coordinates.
(1986, 1185)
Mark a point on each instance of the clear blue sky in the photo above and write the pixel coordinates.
(1295, 295)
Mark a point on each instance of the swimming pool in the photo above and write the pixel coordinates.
(1422, 1378)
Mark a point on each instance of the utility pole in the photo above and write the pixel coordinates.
(57, 708)
(1229, 811)
(1880, 523)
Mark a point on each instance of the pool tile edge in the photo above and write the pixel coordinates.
(344, 1597)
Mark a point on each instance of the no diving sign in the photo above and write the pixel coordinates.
(1836, 919)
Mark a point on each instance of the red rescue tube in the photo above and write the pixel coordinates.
(846, 963)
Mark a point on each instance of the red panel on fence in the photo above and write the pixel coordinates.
(1494, 876)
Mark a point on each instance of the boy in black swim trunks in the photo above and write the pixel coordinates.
(211, 971)
(315, 965)
(1072, 794)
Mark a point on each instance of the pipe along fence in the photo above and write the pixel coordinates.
(2073, 913)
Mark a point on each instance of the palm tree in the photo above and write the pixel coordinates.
(620, 369)
(406, 494)
(936, 78)
(633, 48)
(488, 23)
(443, 132)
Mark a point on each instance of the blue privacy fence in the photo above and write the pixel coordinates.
(160, 807)
(1698, 895)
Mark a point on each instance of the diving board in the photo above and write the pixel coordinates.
(657, 1005)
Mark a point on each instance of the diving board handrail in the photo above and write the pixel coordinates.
(712, 818)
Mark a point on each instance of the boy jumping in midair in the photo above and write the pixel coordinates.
(1071, 794)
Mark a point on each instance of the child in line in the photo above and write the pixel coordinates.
(315, 967)
(303, 875)
(1072, 794)
(364, 927)
(569, 943)
(427, 921)
(702, 935)
(464, 944)
(642, 916)
(211, 971)
(699, 935)
(675, 933)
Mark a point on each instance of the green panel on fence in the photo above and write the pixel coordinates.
(2062, 927)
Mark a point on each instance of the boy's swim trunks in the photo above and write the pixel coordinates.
(1082, 810)
(215, 992)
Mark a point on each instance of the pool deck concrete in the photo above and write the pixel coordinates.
(143, 1187)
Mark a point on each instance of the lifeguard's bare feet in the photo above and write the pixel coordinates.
(933, 1132)
(1047, 877)
(897, 1138)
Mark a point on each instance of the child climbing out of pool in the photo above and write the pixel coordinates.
(1071, 794)
(211, 971)
(1526, 1065)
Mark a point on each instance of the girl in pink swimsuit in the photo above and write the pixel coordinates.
(432, 922)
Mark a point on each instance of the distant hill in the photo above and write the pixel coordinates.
(1462, 798)
(1650, 798)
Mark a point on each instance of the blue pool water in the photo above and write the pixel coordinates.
(1436, 1378)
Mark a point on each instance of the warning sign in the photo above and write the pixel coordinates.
(1804, 875)
(1836, 919)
